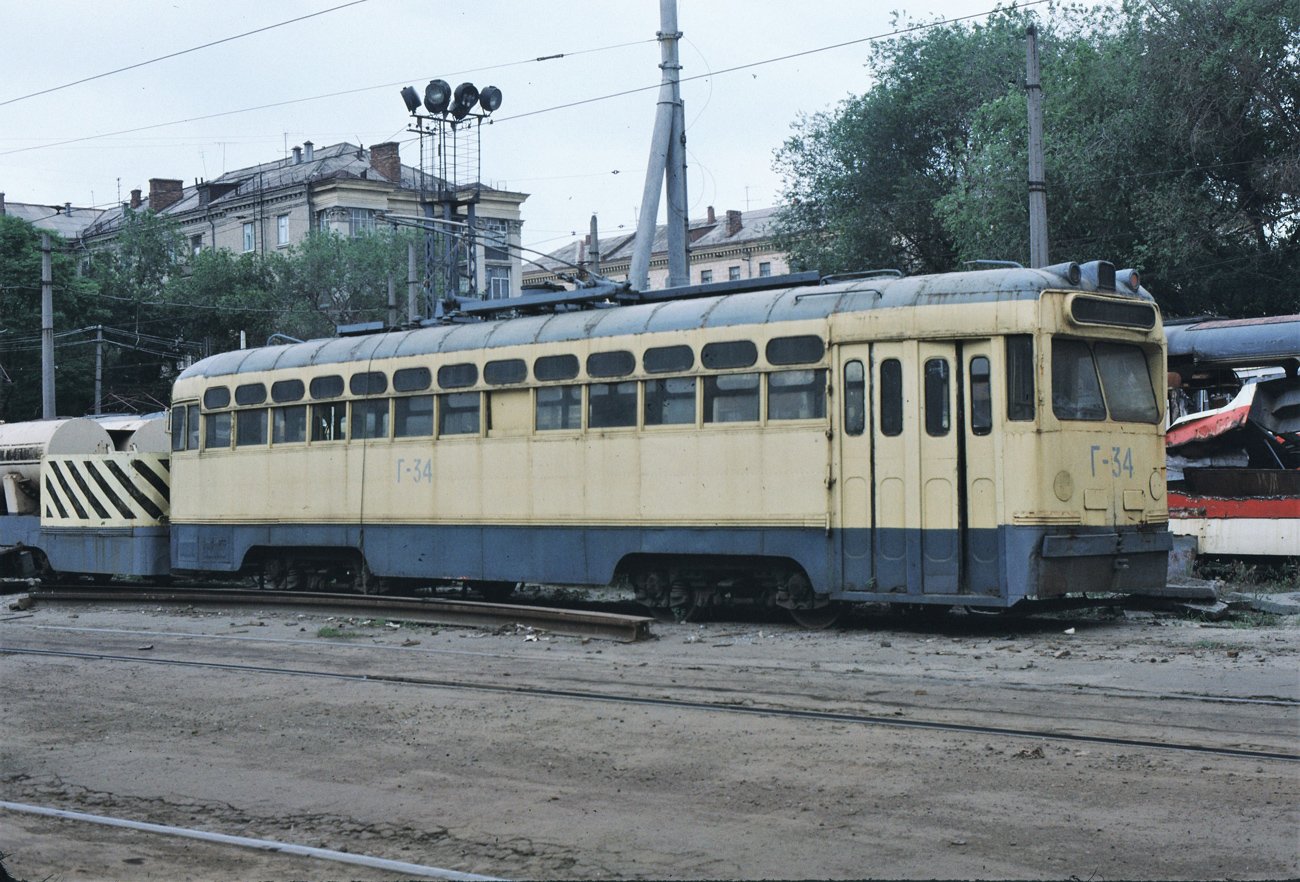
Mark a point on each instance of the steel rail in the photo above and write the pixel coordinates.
(571, 622)
(684, 704)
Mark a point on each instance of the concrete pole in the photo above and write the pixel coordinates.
(679, 272)
(392, 301)
(1037, 182)
(48, 411)
(594, 251)
(660, 145)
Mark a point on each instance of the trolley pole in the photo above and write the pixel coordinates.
(48, 411)
(1037, 180)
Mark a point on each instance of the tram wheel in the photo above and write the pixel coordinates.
(818, 619)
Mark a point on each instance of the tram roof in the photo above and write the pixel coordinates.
(767, 306)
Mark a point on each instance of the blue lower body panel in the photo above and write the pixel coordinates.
(996, 567)
(126, 551)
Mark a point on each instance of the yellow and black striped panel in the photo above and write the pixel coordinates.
(105, 490)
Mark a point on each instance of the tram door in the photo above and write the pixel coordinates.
(927, 450)
(855, 468)
(938, 426)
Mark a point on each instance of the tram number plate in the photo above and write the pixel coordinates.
(415, 471)
(1118, 461)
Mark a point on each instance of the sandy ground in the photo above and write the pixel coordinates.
(451, 772)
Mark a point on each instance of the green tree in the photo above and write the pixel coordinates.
(20, 323)
(1172, 142)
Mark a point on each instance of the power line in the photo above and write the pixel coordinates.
(181, 52)
(726, 70)
(285, 103)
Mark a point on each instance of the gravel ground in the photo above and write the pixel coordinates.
(451, 771)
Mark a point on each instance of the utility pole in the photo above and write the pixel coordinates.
(667, 164)
(412, 286)
(48, 411)
(99, 368)
(1037, 179)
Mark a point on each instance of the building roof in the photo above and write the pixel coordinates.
(341, 161)
(66, 220)
(729, 229)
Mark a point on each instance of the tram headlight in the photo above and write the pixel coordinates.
(1063, 486)
(1157, 484)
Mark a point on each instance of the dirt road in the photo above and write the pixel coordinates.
(437, 747)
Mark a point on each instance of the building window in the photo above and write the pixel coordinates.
(250, 238)
(196, 244)
(282, 230)
(498, 282)
(495, 235)
(733, 273)
(764, 269)
(360, 220)
(706, 276)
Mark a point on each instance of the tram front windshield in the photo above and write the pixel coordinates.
(1096, 380)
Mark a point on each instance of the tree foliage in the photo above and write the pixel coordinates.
(158, 307)
(1172, 143)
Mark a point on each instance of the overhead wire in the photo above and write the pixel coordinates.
(181, 52)
(322, 97)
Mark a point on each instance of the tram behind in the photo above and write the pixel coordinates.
(976, 438)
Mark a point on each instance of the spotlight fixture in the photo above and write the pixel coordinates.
(464, 101)
(412, 99)
(489, 99)
(436, 96)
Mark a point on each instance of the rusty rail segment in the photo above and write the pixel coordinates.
(569, 622)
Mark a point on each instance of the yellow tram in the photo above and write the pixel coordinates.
(974, 438)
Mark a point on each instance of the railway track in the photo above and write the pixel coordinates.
(570, 622)
(728, 707)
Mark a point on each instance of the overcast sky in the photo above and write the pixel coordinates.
(572, 161)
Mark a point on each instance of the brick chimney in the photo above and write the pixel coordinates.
(733, 222)
(135, 199)
(385, 160)
(164, 192)
(713, 218)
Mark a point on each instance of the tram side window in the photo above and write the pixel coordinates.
(938, 416)
(891, 397)
(855, 399)
(796, 395)
(370, 418)
(1076, 392)
(180, 432)
(250, 427)
(289, 424)
(611, 405)
(981, 397)
(1124, 375)
(329, 422)
(731, 398)
(558, 407)
(1020, 377)
(216, 430)
(458, 413)
(413, 417)
(670, 402)
(192, 427)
